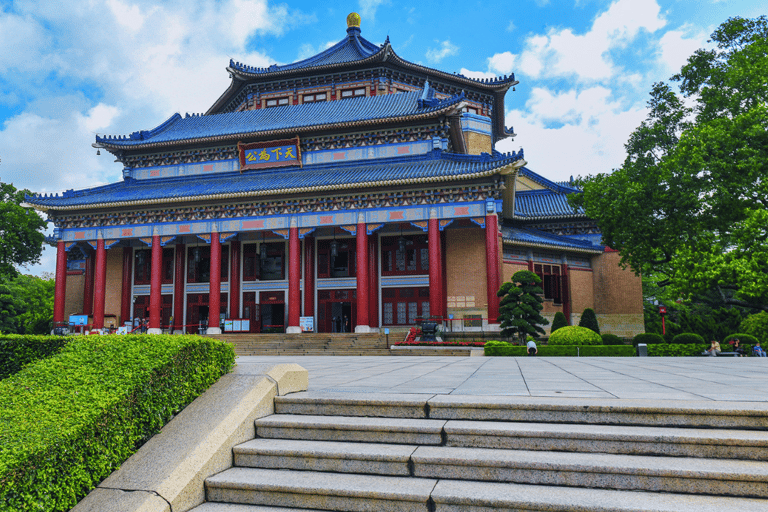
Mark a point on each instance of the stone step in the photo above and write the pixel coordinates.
(677, 442)
(234, 507)
(592, 470)
(464, 496)
(342, 404)
(342, 428)
(595, 470)
(340, 457)
(358, 493)
(324, 491)
(591, 411)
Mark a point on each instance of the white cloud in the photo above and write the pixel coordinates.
(511, 26)
(502, 63)
(677, 45)
(368, 8)
(446, 49)
(477, 74)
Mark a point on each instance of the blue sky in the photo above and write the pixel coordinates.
(70, 70)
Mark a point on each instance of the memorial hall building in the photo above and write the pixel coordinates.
(349, 192)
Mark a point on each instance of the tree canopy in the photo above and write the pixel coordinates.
(690, 202)
(26, 304)
(21, 231)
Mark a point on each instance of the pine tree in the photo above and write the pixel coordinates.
(558, 322)
(520, 305)
(589, 320)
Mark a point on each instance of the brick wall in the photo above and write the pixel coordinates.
(73, 305)
(465, 268)
(114, 283)
(617, 291)
(582, 292)
(477, 143)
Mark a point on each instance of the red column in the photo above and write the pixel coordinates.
(214, 292)
(156, 287)
(126, 296)
(88, 286)
(178, 288)
(60, 291)
(234, 280)
(435, 272)
(100, 285)
(492, 266)
(361, 238)
(294, 281)
(373, 281)
(309, 277)
(565, 293)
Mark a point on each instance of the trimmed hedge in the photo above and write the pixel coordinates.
(611, 339)
(688, 338)
(649, 338)
(743, 338)
(676, 350)
(575, 335)
(558, 322)
(69, 421)
(560, 351)
(17, 351)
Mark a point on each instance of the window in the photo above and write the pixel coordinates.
(277, 102)
(142, 260)
(404, 306)
(351, 93)
(552, 282)
(471, 110)
(342, 265)
(199, 264)
(272, 266)
(409, 257)
(314, 98)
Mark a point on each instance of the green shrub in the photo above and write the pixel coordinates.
(743, 338)
(562, 351)
(574, 335)
(589, 320)
(649, 338)
(756, 325)
(17, 351)
(675, 350)
(69, 420)
(611, 339)
(558, 322)
(688, 338)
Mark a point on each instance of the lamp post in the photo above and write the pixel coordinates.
(663, 312)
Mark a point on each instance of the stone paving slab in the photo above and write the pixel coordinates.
(658, 378)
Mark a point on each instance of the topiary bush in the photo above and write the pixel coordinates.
(589, 320)
(17, 351)
(575, 335)
(70, 420)
(743, 338)
(688, 338)
(558, 322)
(611, 339)
(649, 338)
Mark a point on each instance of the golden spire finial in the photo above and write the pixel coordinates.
(353, 20)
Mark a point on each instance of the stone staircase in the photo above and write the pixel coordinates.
(468, 453)
(326, 344)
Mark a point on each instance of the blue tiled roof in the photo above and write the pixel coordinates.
(435, 166)
(561, 187)
(540, 238)
(352, 48)
(544, 203)
(235, 124)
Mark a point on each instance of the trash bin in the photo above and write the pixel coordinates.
(642, 350)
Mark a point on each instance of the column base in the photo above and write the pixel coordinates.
(363, 328)
(213, 330)
(293, 330)
(154, 330)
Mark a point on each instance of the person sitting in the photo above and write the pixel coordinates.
(532, 350)
(713, 350)
(758, 350)
(740, 352)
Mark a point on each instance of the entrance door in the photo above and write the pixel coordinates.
(272, 311)
(336, 310)
(251, 311)
(198, 315)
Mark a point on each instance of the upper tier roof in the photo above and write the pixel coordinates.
(549, 202)
(356, 50)
(285, 120)
(434, 167)
(537, 238)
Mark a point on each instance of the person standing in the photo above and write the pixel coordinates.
(532, 350)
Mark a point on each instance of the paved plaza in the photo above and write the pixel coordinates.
(679, 378)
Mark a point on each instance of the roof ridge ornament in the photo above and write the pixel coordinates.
(353, 20)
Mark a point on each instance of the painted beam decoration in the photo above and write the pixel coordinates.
(273, 153)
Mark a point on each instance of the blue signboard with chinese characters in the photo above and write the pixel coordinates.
(275, 153)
